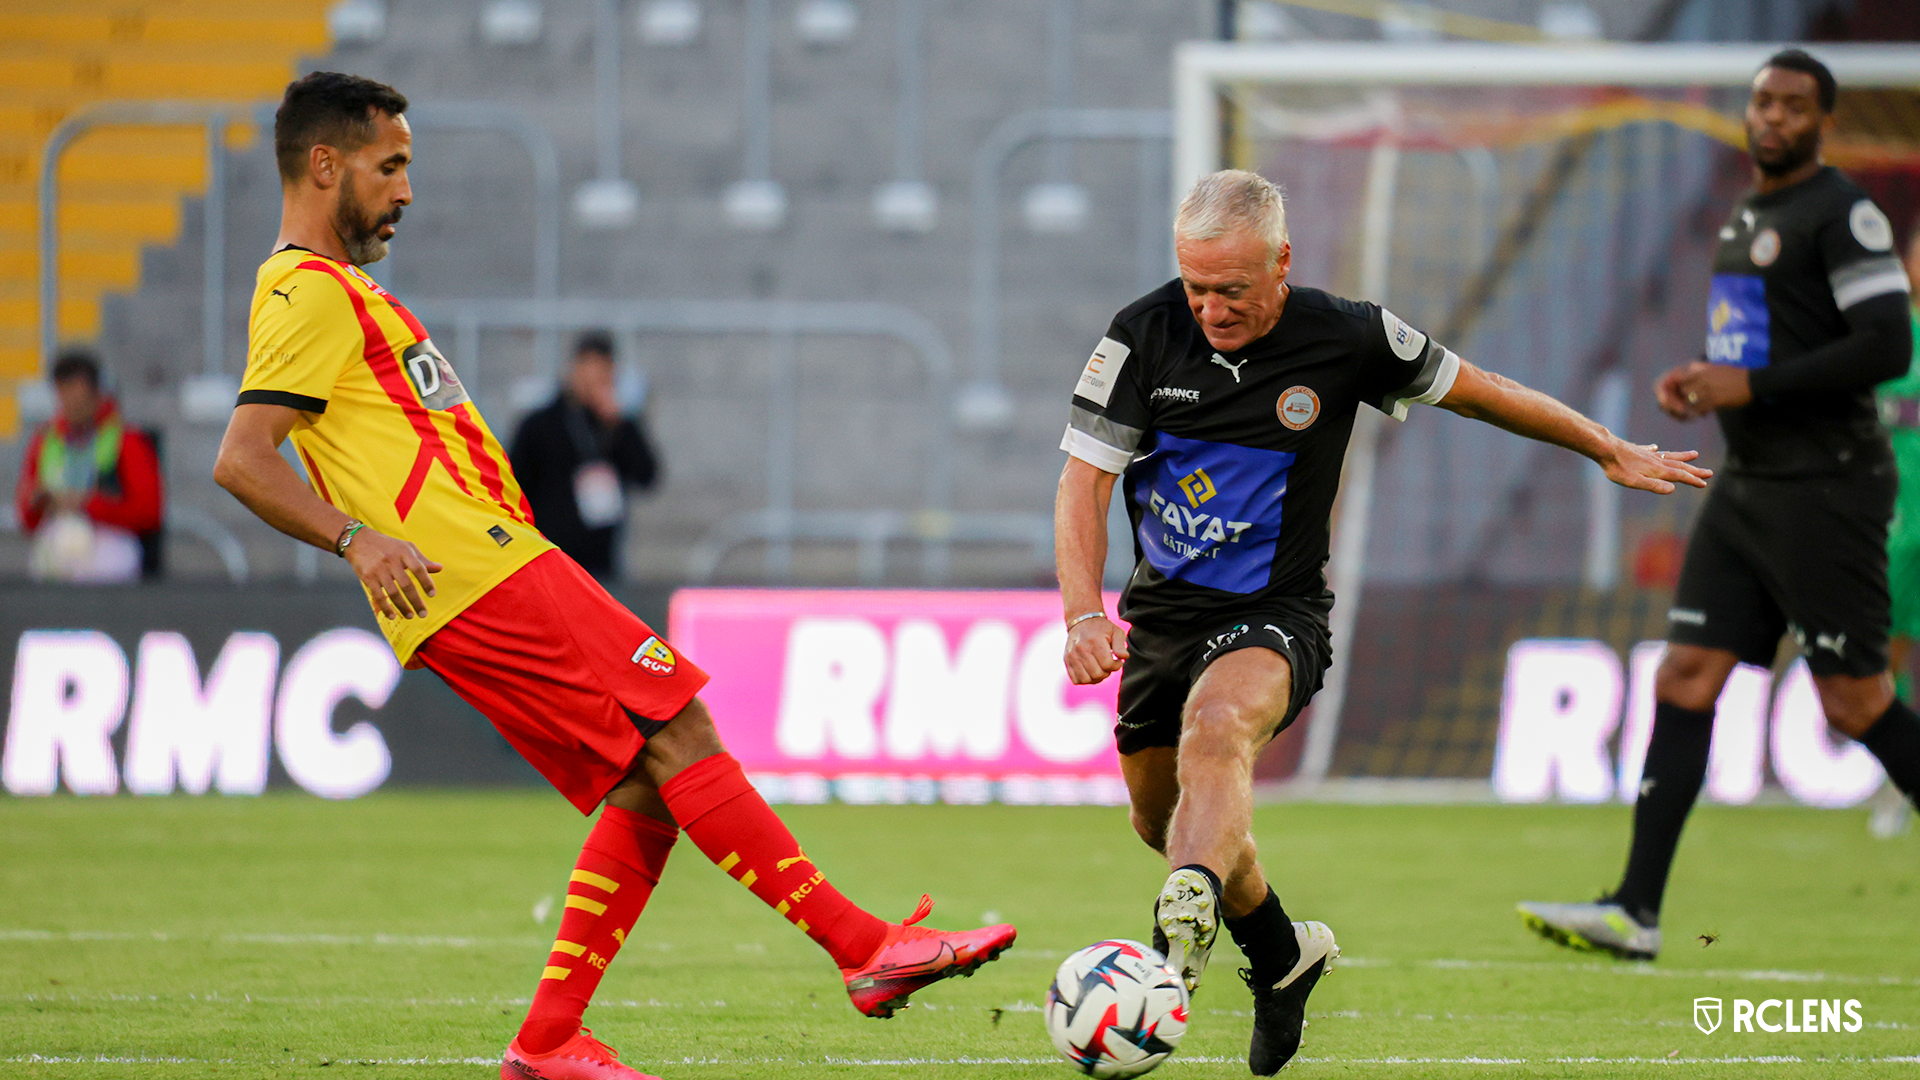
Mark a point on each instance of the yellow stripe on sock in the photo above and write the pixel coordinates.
(569, 947)
(749, 878)
(619, 936)
(588, 877)
(732, 860)
(782, 907)
(802, 924)
(592, 907)
(553, 972)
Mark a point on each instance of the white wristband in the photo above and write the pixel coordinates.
(1078, 619)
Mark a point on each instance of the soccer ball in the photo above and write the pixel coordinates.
(1116, 1009)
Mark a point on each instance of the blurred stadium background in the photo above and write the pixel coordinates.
(854, 252)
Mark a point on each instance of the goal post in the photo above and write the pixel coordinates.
(1517, 202)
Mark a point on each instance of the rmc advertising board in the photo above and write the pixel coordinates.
(862, 696)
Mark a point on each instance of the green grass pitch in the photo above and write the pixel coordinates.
(395, 936)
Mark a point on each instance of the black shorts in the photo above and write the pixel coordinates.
(1163, 663)
(1804, 556)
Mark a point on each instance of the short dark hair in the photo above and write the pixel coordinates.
(77, 364)
(599, 342)
(331, 108)
(1804, 62)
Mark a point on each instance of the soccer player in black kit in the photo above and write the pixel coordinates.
(1807, 312)
(1226, 398)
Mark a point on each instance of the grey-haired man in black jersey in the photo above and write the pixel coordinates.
(1226, 398)
(1806, 313)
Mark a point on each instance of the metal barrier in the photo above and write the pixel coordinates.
(984, 401)
(778, 523)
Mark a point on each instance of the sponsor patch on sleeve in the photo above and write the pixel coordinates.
(1870, 226)
(1406, 342)
(1103, 371)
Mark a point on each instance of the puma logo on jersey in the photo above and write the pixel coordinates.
(1235, 368)
(287, 295)
(1284, 636)
(784, 863)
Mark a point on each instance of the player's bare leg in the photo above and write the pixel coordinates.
(1207, 836)
(1233, 708)
(1866, 709)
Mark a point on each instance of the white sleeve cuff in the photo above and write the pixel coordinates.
(1435, 392)
(1094, 452)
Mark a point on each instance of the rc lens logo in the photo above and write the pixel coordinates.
(1198, 487)
(1805, 1016)
(655, 658)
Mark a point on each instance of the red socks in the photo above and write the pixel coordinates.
(732, 825)
(618, 868)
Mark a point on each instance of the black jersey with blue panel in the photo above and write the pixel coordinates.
(1798, 274)
(1232, 461)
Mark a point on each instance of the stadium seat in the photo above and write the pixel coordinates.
(120, 188)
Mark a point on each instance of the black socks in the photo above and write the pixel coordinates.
(1265, 934)
(1669, 783)
(1895, 740)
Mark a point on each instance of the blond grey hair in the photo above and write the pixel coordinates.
(1233, 200)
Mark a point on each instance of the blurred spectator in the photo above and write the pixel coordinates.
(576, 457)
(89, 486)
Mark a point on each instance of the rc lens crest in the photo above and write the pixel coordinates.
(1706, 1015)
(655, 658)
(1298, 407)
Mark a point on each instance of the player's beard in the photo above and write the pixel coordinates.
(1792, 156)
(359, 228)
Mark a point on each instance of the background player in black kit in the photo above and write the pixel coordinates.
(1226, 398)
(1808, 311)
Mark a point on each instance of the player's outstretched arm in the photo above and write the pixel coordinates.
(1498, 400)
(250, 466)
(1096, 646)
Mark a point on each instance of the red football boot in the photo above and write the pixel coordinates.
(911, 957)
(582, 1057)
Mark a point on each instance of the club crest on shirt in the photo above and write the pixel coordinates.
(1765, 248)
(1298, 407)
(655, 658)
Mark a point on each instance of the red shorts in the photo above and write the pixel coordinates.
(574, 680)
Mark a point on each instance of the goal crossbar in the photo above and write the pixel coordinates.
(1202, 68)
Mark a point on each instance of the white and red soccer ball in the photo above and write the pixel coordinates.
(1116, 1009)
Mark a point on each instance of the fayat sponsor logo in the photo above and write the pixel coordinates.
(1182, 517)
(1725, 343)
(1802, 1016)
(73, 689)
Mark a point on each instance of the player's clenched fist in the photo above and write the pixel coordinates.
(1095, 649)
(389, 568)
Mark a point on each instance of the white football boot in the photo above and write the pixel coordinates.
(1186, 921)
(1602, 926)
(1280, 1010)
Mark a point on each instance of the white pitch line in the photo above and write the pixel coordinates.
(895, 1063)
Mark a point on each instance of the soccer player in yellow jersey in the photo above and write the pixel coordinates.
(409, 485)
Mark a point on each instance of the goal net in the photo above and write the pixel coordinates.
(1550, 214)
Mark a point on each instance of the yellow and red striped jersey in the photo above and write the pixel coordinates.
(386, 431)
